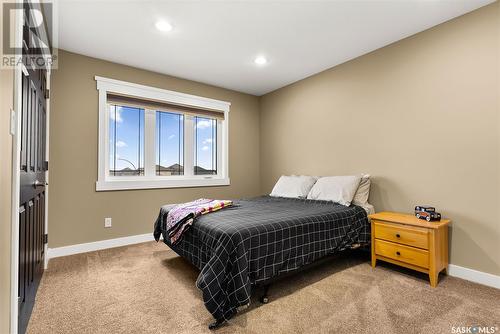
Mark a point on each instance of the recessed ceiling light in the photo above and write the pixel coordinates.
(260, 60)
(163, 26)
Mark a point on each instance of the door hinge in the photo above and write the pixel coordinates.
(45, 165)
(45, 238)
(47, 94)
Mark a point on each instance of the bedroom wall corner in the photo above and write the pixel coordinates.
(412, 114)
(76, 210)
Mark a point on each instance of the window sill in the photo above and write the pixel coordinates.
(110, 185)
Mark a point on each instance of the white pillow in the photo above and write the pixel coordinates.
(361, 196)
(339, 189)
(293, 186)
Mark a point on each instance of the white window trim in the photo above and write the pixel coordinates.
(106, 182)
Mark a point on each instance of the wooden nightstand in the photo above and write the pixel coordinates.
(410, 242)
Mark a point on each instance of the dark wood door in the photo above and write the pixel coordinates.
(33, 166)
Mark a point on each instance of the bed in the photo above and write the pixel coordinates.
(261, 238)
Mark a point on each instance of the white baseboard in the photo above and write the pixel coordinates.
(98, 245)
(453, 270)
(474, 276)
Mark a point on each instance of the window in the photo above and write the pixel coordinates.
(126, 132)
(206, 146)
(169, 144)
(154, 138)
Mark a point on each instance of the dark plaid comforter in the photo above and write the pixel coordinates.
(261, 238)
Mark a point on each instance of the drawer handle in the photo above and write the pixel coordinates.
(398, 253)
(397, 235)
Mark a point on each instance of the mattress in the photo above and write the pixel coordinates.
(261, 238)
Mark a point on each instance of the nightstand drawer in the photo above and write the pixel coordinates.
(411, 236)
(414, 256)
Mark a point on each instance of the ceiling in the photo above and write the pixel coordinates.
(216, 42)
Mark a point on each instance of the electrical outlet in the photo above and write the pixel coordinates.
(107, 222)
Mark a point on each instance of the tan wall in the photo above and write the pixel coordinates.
(6, 103)
(421, 116)
(76, 210)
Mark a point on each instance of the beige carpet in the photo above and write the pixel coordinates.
(147, 288)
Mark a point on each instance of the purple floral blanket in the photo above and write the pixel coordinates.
(182, 216)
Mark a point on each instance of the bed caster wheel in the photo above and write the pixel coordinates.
(265, 299)
(216, 324)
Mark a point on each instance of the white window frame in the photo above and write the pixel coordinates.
(150, 180)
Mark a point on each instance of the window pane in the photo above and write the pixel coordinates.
(206, 146)
(169, 144)
(126, 136)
